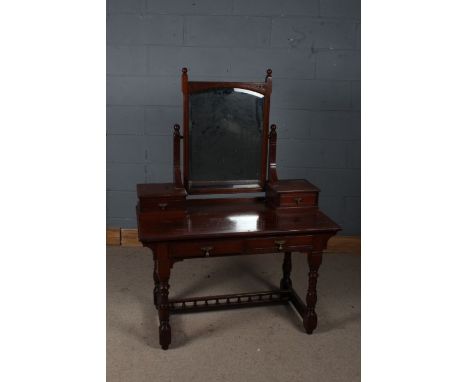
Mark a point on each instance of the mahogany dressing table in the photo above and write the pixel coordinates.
(228, 149)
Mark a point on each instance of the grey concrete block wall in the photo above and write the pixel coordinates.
(313, 48)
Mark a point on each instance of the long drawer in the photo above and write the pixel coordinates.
(221, 247)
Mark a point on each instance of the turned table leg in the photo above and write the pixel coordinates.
(163, 273)
(286, 282)
(156, 282)
(310, 317)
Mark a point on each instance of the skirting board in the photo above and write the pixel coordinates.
(128, 237)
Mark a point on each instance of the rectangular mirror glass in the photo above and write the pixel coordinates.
(225, 129)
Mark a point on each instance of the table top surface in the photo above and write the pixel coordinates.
(219, 218)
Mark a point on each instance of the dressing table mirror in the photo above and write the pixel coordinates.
(226, 135)
(228, 148)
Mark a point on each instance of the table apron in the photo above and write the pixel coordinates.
(226, 247)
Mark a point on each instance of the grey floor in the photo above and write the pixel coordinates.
(251, 344)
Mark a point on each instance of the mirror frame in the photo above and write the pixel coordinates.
(234, 186)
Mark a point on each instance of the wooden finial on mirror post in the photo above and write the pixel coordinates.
(269, 72)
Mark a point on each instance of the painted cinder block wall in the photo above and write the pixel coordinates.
(313, 48)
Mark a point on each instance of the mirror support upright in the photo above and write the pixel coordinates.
(176, 161)
(272, 175)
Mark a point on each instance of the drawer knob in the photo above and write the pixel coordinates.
(279, 244)
(206, 250)
(297, 200)
(162, 206)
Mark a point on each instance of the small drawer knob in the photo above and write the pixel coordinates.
(206, 250)
(162, 206)
(279, 244)
(298, 200)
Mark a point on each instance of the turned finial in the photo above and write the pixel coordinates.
(269, 71)
(273, 128)
(184, 70)
(177, 131)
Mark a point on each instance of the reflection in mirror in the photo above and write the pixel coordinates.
(225, 135)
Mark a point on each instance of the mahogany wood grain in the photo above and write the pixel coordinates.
(291, 194)
(226, 218)
(198, 86)
(293, 186)
(272, 174)
(336, 244)
(227, 187)
(185, 93)
(266, 123)
(163, 270)
(156, 282)
(227, 227)
(205, 248)
(309, 315)
(286, 219)
(176, 159)
(298, 200)
(229, 301)
(279, 244)
(163, 200)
